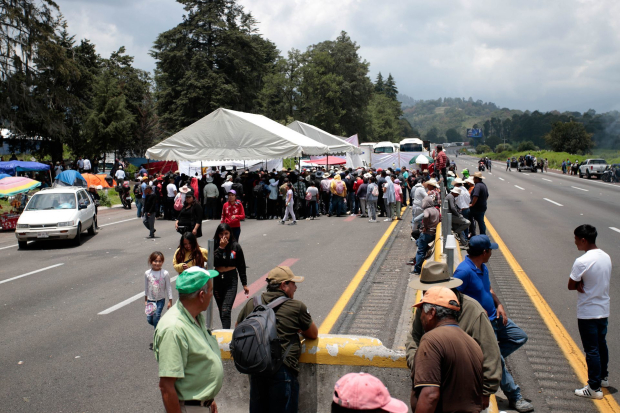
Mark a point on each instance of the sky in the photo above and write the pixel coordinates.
(521, 54)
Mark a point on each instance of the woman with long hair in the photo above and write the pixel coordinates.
(190, 216)
(228, 261)
(189, 254)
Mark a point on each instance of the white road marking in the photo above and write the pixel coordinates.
(129, 300)
(517, 186)
(553, 202)
(545, 179)
(525, 173)
(117, 222)
(10, 246)
(501, 179)
(614, 229)
(581, 189)
(31, 272)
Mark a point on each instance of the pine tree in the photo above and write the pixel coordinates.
(379, 85)
(390, 89)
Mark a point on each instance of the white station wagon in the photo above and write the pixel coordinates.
(58, 213)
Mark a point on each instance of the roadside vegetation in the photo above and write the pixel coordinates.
(555, 158)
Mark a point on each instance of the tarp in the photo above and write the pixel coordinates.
(226, 135)
(161, 167)
(97, 180)
(14, 185)
(70, 178)
(333, 160)
(193, 168)
(12, 167)
(335, 144)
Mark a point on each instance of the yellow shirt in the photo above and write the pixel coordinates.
(178, 266)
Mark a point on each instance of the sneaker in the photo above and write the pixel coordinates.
(372, 220)
(605, 382)
(589, 393)
(522, 405)
(387, 219)
(282, 222)
(307, 219)
(312, 218)
(293, 223)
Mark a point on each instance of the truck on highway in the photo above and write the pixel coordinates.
(592, 167)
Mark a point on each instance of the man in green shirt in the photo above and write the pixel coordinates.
(280, 392)
(190, 367)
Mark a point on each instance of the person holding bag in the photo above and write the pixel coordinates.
(189, 254)
(229, 261)
(190, 216)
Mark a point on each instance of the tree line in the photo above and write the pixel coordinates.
(60, 93)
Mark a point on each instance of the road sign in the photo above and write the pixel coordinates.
(474, 133)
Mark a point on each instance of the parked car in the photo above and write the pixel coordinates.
(58, 213)
(592, 167)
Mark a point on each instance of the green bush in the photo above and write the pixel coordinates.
(504, 147)
(105, 199)
(483, 149)
(527, 146)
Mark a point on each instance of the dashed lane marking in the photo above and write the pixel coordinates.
(117, 222)
(501, 179)
(10, 246)
(548, 180)
(581, 189)
(553, 202)
(614, 229)
(517, 186)
(31, 272)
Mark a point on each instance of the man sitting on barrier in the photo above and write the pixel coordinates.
(429, 224)
(472, 319)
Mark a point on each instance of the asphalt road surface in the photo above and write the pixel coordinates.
(535, 214)
(60, 354)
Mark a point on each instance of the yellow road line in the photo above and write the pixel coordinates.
(493, 404)
(342, 302)
(438, 243)
(570, 349)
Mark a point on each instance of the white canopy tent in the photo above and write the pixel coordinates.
(226, 135)
(336, 145)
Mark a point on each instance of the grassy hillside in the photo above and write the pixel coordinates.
(456, 113)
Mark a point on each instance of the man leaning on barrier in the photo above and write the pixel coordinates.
(472, 319)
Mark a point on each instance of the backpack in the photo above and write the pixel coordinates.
(255, 346)
(137, 189)
(178, 203)
(375, 191)
(339, 187)
(258, 191)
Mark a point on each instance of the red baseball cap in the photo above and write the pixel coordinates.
(363, 391)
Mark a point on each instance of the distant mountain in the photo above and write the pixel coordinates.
(448, 113)
(405, 101)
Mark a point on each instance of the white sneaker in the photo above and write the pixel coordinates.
(589, 393)
(605, 382)
(387, 219)
(372, 220)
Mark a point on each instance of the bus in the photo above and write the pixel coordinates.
(411, 145)
(385, 147)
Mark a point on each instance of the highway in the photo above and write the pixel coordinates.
(535, 214)
(74, 334)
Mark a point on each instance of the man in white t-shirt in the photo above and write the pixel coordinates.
(590, 277)
(120, 175)
(87, 165)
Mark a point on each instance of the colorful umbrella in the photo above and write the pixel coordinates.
(2, 176)
(17, 185)
(421, 160)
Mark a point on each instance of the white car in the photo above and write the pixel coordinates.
(58, 213)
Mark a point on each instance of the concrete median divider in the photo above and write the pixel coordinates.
(322, 363)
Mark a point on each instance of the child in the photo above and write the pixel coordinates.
(156, 285)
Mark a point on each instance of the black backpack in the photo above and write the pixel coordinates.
(259, 191)
(137, 189)
(255, 346)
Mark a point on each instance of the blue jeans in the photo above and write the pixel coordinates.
(510, 338)
(139, 205)
(274, 394)
(337, 205)
(153, 319)
(422, 244)
(593, 337)
(477, 215)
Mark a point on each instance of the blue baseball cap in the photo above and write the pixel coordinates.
(481, 243)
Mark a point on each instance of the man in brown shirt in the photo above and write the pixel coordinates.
(448, 364)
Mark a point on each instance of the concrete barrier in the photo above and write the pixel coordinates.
(322, 363)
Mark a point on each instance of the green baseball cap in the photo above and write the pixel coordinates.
(193, 279)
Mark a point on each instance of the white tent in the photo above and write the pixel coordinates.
(230, 135)
(336, 145)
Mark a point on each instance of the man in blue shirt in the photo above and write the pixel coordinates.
(477, 285)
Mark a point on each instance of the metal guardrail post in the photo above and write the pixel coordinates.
(451, 246)
(448, 230)
(210, 260)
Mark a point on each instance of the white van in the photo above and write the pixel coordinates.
(385, 147)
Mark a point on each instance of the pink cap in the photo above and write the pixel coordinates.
(362, 391)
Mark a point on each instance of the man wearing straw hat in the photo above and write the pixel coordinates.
(472, 319)
(190, 367)
(478, 205)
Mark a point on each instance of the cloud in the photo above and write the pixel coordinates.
(526, 55)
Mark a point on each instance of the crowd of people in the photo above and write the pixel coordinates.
(461, 333)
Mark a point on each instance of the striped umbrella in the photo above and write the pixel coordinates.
(16, 185)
